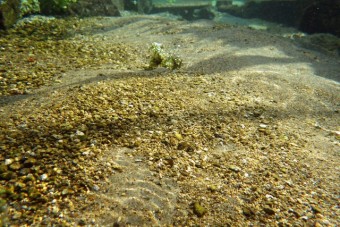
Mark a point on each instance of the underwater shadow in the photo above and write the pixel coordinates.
(242, 48)
(222, 63)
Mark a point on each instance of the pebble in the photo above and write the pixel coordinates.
(30, 177)
(55, 210)
(30, 162)
(268, 210)
(82, 222)
(326, 222)
(43, 177)
(15, 166)
(212, 188)
(305, 218)
(188, 147)
(95, 188)
(79, 133)
(8, 161)
(316, 209)
(8, 175)
(178, 136)
(248, 211)
(270, 197)
(234, 168)
(65, 191)
(17, 215)
(297, 213)
(199, 210)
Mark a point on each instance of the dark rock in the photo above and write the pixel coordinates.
(248, 212)
(29, 162)
(316, 209)
(12, 10)
(8, 175)
(82, 222)
(268, 210)
(186, 146)
(9, 13)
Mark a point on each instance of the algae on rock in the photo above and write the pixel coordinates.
(159, 57)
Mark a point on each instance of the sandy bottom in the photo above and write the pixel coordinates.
(246, 132)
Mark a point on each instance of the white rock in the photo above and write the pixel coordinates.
(305, 218)
(95, 187)
(79, 133)
(43, 177)
(8, 161)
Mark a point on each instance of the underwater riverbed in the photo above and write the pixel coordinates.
(246, 132)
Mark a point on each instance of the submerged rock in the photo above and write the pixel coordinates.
(12, 10)
(199, 210)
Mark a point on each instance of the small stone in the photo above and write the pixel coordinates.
(64, 191)
(29, 162)
(199, 210)
(30, 177)
(42, 199)
(317, 224)
(178, 136)
(17, 215)
(305, 218)
(70, 205)
(326, 222)
(316, 209)
(8, 161)
(212, 188)
(248, 212)
(3, 205)
(268, 210)
(289, 182)
(263, 126)
(3, 168)
(8, 175)
(234, 168)
(19, 185)
(57, 136)
(15, 166)
(79, 133)
(24, 171)
(55, 210)
(118, 168)
(186, 146)
(43, 177)
(33, 193)
(95, 188)
(297, 213)
(85, 153)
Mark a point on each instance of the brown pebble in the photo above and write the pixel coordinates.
(268, 210)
